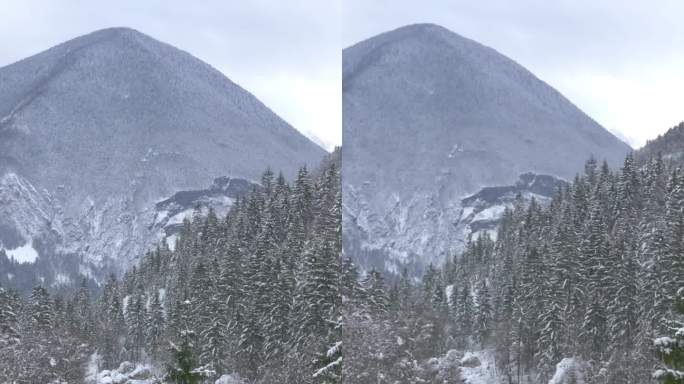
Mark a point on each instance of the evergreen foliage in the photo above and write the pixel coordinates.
(589, 275)
(256, 292)
(671, 349)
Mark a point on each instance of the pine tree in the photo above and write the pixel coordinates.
(318, 295)
(429, 281)
(136, 316)
(464, 313)
(328, 367)
(484, 314)
(672, 262)
(257, 292)
(671, 349)
(277, 327)
(184, 369)
(84, 314)
(8, 319)
(376, 292)
(349, 280)
(155, 325)
(41, 312)
(214, 338)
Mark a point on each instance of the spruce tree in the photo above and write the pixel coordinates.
(184, 368)
(484, 314)
(155, 324)
(671, 349)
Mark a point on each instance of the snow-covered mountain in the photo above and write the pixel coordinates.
(98, 130)
(430, 118)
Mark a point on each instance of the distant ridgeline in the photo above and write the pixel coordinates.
(589, 279)
(255, 292)
(669, 145)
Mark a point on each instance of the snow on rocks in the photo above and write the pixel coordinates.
(444, 369)
(457, 367)
(233, 378)
(126, 373)
(126, 367)
(478, 368)
(23, 254)
(449, 366)
(568, 371)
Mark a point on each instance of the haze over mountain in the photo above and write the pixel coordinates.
(429, 118)
(95, 131)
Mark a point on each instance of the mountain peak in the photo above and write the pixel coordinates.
(117, 31)
(104, 46)
(421, 28)
(416, 43)
(420, 31)
(112, 34)
(120, 40)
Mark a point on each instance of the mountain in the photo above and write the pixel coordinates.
(669, 145)
(95, 131)
(429, 118)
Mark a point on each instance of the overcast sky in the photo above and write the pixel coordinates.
(620, 61)
(287, 53)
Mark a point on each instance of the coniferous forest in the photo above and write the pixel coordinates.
(254, 293)
(270, 192)
(593, 276)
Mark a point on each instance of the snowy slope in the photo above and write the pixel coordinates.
(48, 245)
(429, 118)
(426, 229)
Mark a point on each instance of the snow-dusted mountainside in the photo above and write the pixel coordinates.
(96, 131)
(437, 229)
(36, 215)
(429, 118)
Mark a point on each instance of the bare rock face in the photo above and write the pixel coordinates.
(99, 129)
(429, 118)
